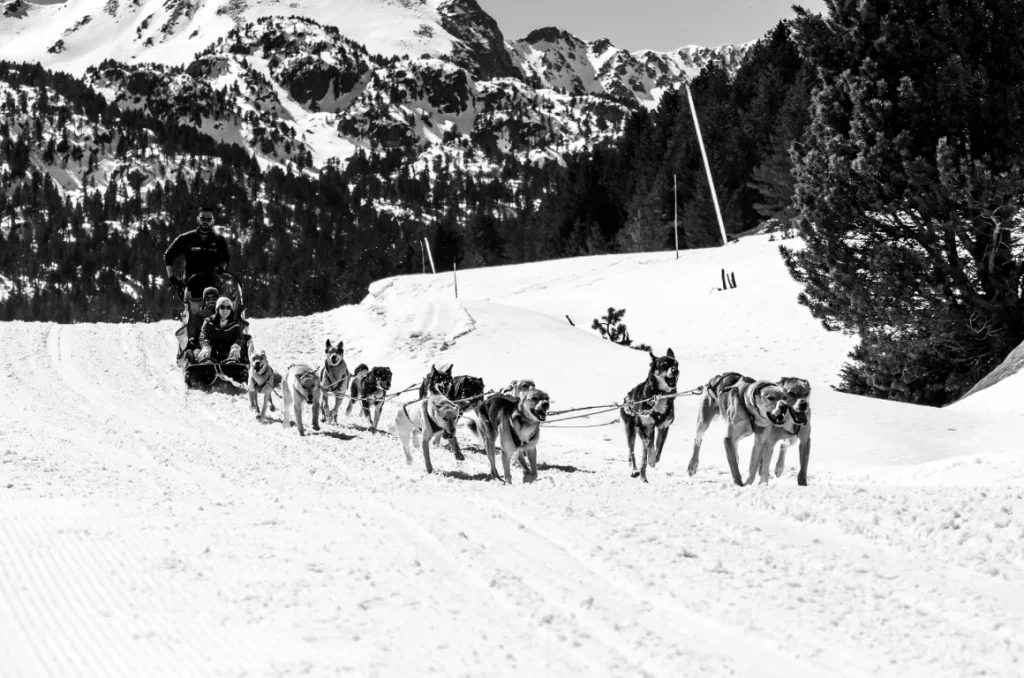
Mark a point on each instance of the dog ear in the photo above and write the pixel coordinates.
(341, 345)
(670, 354)
(328, 346)
(654, 358)
(449, 370)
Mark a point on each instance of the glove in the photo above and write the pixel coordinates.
(235, 353)
(174, 284)
(203, 356)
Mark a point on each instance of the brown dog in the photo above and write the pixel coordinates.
(262, 380)
(797, 424)
(515, 425)
(749, 407)
(334, 378)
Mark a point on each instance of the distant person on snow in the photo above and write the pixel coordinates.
(206, 255)
(221, 337)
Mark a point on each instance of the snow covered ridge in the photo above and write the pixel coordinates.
(554, 58)
(336, 75)
(292, 89)
(147, 532)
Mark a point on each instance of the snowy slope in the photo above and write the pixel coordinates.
(150, 531)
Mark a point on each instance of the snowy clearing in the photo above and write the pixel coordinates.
(150, 531)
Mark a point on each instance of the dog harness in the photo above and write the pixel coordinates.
(433, 427)
(331, 387)
(258, 376)
(651, 403)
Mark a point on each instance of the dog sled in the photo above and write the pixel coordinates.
(230, 375)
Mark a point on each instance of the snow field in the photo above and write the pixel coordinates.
(151, 531)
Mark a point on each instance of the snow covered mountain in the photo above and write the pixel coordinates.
(549, 57)
(316, 81)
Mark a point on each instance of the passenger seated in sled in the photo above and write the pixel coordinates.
(194, 325)
(222, 337)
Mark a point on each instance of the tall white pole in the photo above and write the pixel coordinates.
(707, 167)
(431, 255)
(675, 218)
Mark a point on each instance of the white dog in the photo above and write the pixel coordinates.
(427, 418)
(301, 383)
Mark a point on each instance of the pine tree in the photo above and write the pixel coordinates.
(909, 189)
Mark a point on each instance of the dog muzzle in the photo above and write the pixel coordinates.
(540, 412)
(334, 360)
(799, 413)
(778, 417)
(671, 378)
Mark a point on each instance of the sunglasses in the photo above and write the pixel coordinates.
(223, 307)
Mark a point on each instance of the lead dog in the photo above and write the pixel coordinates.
(647, 412)
(427, 418)
(262, 380)
(749, 407)
(369, 387)
(301, 383)
(515, 425)
(334, 378)
(797, 425)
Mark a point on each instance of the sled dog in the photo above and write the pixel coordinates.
(645, 412)
(797, 424)
(425, 419)
(334, 378)
(749, 407)
(369, 387)
(437, 382)
(515, 426)
(301, 383)
(262, 380)
(466, 394)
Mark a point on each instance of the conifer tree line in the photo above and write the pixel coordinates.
(886, 132)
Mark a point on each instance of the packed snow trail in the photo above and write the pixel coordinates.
(145, 530)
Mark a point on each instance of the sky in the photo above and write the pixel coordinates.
(661, 25)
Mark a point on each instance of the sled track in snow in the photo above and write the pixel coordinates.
(146, 531)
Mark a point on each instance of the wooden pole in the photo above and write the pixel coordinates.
(431, 255)
(707, 167)
(455, 277)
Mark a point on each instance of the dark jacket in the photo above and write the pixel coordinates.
(200, 257)
(220, 339)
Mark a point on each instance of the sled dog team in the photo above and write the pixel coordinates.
(774, 413)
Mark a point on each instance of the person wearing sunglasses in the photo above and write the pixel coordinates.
(206, 255)
(221, 337)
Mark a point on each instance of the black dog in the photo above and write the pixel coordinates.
(640, 412)
(369, 386)
(437, 382)
(466, 392)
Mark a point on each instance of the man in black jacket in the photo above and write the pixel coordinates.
(206, 254)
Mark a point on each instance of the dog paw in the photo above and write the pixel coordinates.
(460, 457)
(692, 468)
(634, 474)
(273, 409)
(529, 477)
